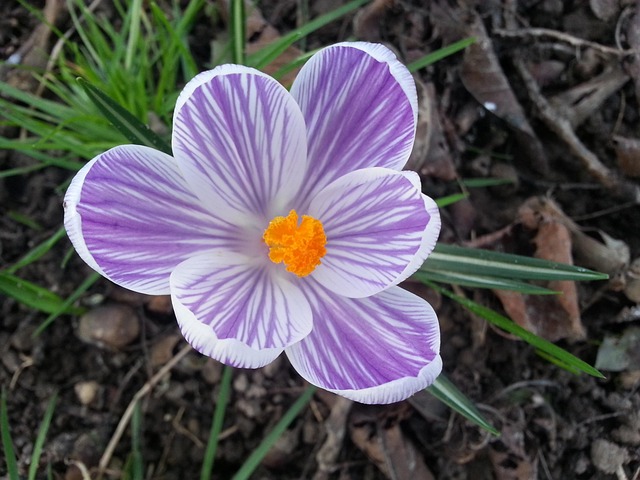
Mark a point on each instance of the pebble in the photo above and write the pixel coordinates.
(86, 391)
(607, 456)
(112, 326)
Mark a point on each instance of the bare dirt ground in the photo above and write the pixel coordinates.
(548, 98)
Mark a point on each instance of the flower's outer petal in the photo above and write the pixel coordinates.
(379, 227)
(360, 105)
(240, 140)
(379, 349)
(131, 216)
(236, 312)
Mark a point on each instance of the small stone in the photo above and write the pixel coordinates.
(160, 304)
(630, 380)
(607, 456)
(111, 326)
(162, 351)
(22, 339)
(241, 383)
(211, 371)
(86, 391)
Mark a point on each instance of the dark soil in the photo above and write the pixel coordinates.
(481, 118)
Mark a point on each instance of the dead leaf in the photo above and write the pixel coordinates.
(508, 456)
(335, 427)
(483, 77)
(367, 21)
(552, 317)
(430, 155)
(628, 155)
(382, 440)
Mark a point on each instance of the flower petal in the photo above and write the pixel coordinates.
(379, 227)
(379, 349)
(131, 216)
(360, 105)
(240, 141)
(236, 312)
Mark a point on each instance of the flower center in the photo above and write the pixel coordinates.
(299, 247)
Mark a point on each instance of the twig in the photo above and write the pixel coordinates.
(124, 421)
(562, 127)
(563, 37)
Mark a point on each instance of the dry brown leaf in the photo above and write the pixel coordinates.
(508, 456)
(628, 155)
(366, 23)
(552, 317)
(484, 78)
(430, 155)
(335, 427)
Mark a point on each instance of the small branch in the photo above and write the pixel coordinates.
(124, 421)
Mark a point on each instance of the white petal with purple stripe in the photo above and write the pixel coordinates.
(360, 105)
(240, 140)
(131, 216)
(237, 311)
(380, 349)
(376, 222)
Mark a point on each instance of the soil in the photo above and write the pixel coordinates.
(548, 98)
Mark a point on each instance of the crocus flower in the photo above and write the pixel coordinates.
(283, 222)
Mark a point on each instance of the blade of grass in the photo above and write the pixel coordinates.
(7, 443)
(42, 435)
(484, 262)
(440, 54)
(249, 466)
(237, 27)
(450, 199)
(136, 131)
(33, 295)
(445, 391)
(269, 53)
(135, 12)
(38, 251)
(83, 287)
(137, 464)
(216, 425)
(479, 281)
(507, 325)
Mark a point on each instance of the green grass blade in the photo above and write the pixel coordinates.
(485, 262)
(216, 426)
(249, 466)
(42, 435)
(450, 199)
(480, 281)
(445, 391)
(440, 54)
(269, 53)
(502, 322)
(38, 251)
(33, 295)
(135, 13)
(136, 131)
(484, 182)
(7, 443)
(237, 27)
(137, 463)
(66, 305)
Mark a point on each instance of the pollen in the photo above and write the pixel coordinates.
(299, 246)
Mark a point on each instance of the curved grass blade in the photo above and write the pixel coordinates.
(500, 321)
(440, 54)
(445, 391)
(38, 251)
(269, 53)
(7, 443)
(33, 295)
(485, 262)
(216, 426)
(132, 128)
(248, 467)
(42, 435)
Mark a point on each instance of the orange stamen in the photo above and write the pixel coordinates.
(299, 247)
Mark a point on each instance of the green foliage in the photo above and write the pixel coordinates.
(216, 425)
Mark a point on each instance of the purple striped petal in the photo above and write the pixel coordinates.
(131, 216)
(239, 313)
(379, 349)
(240, 140)
(360, 105)
(380, 229)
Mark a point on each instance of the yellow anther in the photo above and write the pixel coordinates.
(299, 247)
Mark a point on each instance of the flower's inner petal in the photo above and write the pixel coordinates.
(240, 140)
(377, 223)
(132, 217)
(236, 312)
(360, 105)
(380, 349)
(300, 246)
